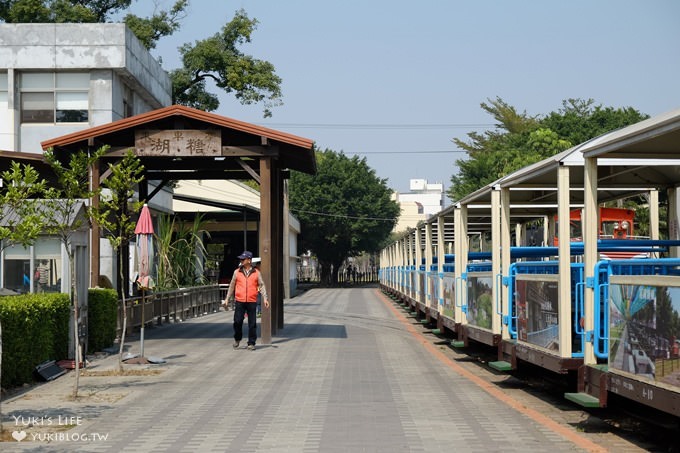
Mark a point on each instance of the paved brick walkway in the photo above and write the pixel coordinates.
(344, 375)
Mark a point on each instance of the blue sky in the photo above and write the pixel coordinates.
(395, 81)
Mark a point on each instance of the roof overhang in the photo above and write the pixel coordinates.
(654, 138)
(293, 152)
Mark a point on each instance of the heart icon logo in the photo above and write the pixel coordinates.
(19, 435)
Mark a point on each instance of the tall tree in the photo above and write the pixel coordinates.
(496, 152)
(344, 209)
(216, 61)
(60, 11)
(579, 120)
(160, 24)
(115, 217)
(20, 219)
(519, 140)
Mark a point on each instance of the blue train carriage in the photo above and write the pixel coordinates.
(423, 299)
(639, 325)
(447, 300)
(534, 317)
(479, 303)
(440, 300)
(397, 271)
(409, 285)
(431, 288)
(636, 335)
(547, 330)
(425, 305)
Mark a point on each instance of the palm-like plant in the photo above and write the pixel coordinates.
(180, 249)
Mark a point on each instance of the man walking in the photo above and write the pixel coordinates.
(246, 284)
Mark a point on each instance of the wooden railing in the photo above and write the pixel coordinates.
(175, 305)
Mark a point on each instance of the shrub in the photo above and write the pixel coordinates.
(102, 314)
(35, 328)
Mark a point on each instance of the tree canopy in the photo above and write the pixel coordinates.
(344, 209)
(216, 61)
(520, 139)
(60, 11)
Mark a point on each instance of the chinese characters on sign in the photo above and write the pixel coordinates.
(182, 142)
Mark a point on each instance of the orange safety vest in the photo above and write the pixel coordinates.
(246, 288)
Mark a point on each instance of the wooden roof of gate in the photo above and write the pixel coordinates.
(239, 139)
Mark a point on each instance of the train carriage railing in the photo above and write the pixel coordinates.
(479, 304)
(421, 290)
(549, 268)
(433, 298)
(448, 298)
(645, 271)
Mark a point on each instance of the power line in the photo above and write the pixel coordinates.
(343, 216)
(434, 151)
(379, 126)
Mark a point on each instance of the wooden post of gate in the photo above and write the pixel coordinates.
(265, 248)
(277, 244)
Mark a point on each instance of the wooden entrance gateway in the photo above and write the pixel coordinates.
(182, 143)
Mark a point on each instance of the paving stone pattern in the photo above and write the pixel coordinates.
(344, 375)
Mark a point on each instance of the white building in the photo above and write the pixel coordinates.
(421, 202)
(224, 197)
(61, 78)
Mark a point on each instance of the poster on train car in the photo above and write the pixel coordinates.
(537, 310)
(644, 330)
(432, 290)
(449, 295)
(479, 300)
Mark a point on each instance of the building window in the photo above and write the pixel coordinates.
(46, 272)
(55, 97)
(3, 89)
(6, 140)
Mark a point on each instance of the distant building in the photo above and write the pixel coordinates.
(420, 203)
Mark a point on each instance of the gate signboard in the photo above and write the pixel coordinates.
(179, 142)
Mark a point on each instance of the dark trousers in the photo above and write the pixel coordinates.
(239, 313)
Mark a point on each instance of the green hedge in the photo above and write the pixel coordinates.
(102, 314)
(34, 329)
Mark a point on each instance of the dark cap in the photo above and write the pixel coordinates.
(245, 255)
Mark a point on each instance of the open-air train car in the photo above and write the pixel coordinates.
(554, 306)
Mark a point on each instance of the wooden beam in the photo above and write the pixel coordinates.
(226, 151)
(249, 169)
(191, 175)
(158, 188)
(277, 241)
(250, 151)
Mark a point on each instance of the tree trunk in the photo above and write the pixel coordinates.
(76, 338)
(122, 333)
(325, 273)
(334, 274)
